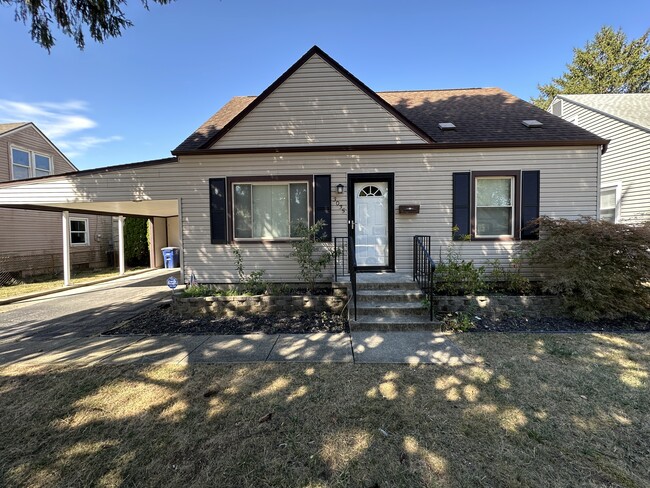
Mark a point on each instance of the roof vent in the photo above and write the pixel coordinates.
(531, 124)
(446, 126)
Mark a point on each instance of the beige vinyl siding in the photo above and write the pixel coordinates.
(316, 105)
(568, 189)
(30, 241)
(627, 159)
(29, 139)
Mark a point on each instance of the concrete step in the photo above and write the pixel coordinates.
(394, 324)
(388, 285)
(390, 295)
(391, 309)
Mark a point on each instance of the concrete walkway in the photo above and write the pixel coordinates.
(359, 347)
(65, 328)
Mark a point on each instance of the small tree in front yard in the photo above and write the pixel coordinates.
(311, 254)
(600, 269)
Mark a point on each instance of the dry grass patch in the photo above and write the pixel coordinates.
(45, 283)
(537, 410)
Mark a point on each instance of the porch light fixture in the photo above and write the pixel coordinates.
(339, 188)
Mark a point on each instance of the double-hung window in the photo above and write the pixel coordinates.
(79, 232)
(494, 212)
(610, 196)
(269, 209)
(495, 205)
(29, 164)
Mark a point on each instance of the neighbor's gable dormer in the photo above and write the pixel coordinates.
(317, 103)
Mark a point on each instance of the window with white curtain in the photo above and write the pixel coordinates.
(269, 210)
(494, 210)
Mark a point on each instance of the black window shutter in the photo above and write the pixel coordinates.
(461, 210)
(323, 204)
(529, 203)
(218, 224)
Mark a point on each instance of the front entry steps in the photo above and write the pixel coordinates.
(390, 301)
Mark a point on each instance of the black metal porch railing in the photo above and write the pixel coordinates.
(344, 255)
(423, 268)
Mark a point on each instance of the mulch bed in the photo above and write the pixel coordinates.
(162, 320)
(557, 324)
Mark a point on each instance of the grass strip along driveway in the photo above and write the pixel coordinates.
(536, 410)
(38, 284)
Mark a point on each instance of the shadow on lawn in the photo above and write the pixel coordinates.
(538, 410)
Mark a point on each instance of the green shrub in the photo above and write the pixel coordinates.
(136, 242)
(198, 291)
(600, 269)
(252, 283)
(311, 255)
(455, 276)
(461, 321)
(208, 291)
(509, 280)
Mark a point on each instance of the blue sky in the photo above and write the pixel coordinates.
(136, 97)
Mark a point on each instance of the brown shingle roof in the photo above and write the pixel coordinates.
(481, 115)
(11, 126)
(214, 124)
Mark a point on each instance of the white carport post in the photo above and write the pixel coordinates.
(120, 233)
(66, 247)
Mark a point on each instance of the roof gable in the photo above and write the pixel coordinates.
(630, 108)
(315, 103)
(12, 128)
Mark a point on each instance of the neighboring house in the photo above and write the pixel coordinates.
(380, 167)
(624, 119)
(30, 241)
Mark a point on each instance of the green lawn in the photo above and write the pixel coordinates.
(48, 282)
(538, 410)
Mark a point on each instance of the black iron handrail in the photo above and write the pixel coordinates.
(346, 248)
(423, 268)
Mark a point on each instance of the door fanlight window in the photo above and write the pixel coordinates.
(370, 191)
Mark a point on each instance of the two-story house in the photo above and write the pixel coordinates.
(31, 240)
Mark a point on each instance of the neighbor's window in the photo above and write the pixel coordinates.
(79, 232)
(28, 164)
(494, 211)
(269, 210)
(609, 199)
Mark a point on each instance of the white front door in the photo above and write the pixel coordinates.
(371, 223)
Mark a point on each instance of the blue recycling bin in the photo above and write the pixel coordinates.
(171, 257)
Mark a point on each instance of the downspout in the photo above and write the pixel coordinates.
(598, 179)
(180, 236)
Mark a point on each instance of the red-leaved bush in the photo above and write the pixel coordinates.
(600, 269)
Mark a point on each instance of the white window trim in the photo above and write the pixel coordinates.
(86, 232)
(267, 183)
(32, 161)
(618, 186)
(512, 207)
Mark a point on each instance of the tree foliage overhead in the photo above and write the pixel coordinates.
(102, 19)
(607, 64)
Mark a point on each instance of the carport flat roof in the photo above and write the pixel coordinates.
(112, 190)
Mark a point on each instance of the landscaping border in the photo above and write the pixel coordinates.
(259, 304)
(532, 306)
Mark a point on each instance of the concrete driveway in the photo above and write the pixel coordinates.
(85, 311)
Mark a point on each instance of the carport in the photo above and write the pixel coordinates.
(133, 190)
